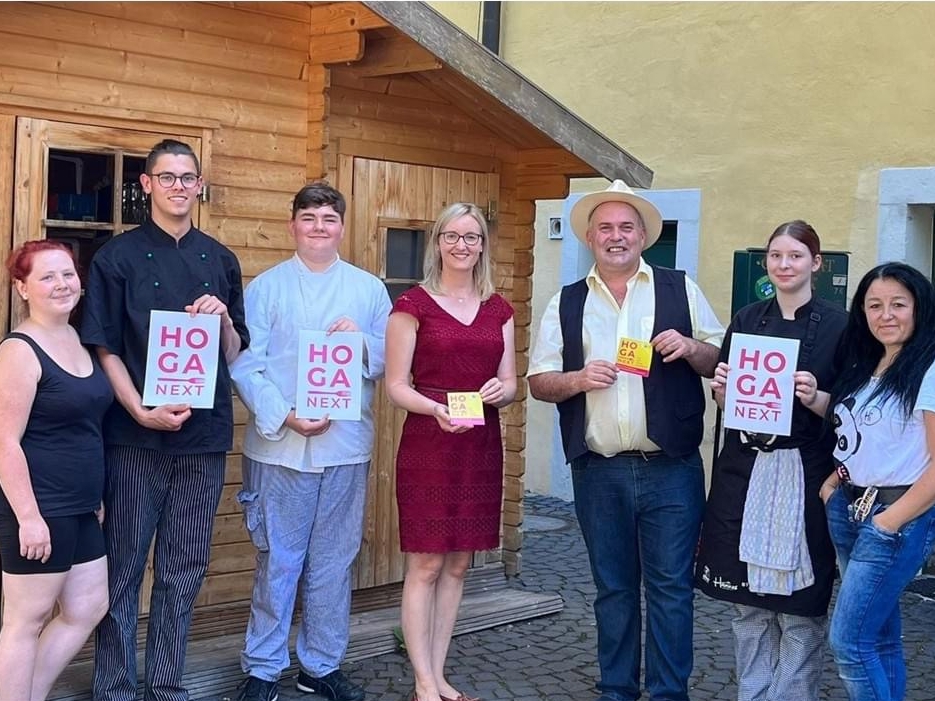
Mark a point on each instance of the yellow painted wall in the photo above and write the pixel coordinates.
(466, 15)
(774, 111)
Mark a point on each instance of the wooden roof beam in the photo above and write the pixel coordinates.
(490, 74)
(343, 47)
(393, 56)
(538, 161)
(339, 17)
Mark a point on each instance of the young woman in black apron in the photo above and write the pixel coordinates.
(780, 622)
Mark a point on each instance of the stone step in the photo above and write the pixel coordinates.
(213, 659)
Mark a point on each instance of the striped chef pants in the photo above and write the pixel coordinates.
(173, 497)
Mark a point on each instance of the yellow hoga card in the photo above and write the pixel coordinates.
(466, 408)
(634, 356)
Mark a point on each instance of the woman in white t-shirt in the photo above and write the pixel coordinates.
(880, 498)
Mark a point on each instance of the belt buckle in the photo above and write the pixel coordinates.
(758, 441)
(864, 503)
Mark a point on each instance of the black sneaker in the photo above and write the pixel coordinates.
(253, 689)
(334, 686)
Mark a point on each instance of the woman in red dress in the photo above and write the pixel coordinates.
(450, 333)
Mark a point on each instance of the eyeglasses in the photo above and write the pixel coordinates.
(167, 180)
(452, 237)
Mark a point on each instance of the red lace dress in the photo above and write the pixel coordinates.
(449, 486)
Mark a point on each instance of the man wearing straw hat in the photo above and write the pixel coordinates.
(622, 352)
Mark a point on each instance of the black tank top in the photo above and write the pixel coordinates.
(63, 444)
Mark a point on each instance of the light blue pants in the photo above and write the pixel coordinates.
(307, 530)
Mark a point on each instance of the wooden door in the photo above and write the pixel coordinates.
(72, 183)
(391, 207)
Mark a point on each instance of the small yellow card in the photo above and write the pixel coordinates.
(466, 408)
(634, 356)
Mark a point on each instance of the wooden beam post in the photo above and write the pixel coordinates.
(394, 56)
(336, 48)
(338, 17)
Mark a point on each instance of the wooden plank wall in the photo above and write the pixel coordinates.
(242, 66)
(7, 139)
(270, 81)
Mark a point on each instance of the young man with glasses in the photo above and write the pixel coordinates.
(165, 464)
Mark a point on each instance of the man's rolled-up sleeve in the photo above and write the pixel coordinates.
(102, 323)
(375, 336)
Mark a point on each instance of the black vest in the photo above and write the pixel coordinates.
(673, 392)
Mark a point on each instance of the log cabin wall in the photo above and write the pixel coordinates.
(282, 93)
(236, 75)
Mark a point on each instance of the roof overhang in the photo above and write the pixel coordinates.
(472, 61)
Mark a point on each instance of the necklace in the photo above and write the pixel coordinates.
(461, 300)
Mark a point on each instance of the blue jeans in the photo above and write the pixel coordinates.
(641, 520)
(865, 627)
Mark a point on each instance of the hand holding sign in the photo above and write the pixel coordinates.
(342, 324)
(308, 427)
(207, 304)
(598, 374)
(166, 417)
(806, 388)
(443, 417)
(719, 383)
(672, 345)
(491, 392)
(760, 384)
(181, 364)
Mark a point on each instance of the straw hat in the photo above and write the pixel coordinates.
(619, 191)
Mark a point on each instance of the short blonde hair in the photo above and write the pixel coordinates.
(432, 265)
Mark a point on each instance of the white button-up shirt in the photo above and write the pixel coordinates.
(279, 303)
(615, 418)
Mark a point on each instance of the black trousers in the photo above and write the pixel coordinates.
(174, 498)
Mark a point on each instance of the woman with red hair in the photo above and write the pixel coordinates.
(53, 396)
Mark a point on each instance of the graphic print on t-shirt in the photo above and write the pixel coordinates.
(848, 437)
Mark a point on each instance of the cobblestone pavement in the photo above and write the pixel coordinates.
(554, 657)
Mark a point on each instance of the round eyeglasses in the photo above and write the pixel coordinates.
(167, 179)
(452, 237)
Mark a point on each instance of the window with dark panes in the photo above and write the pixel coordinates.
(404, 249)
(92, 196)
(81, 185)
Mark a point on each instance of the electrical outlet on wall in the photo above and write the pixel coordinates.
(555, 227)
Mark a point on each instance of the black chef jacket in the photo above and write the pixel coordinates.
(146, 269)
